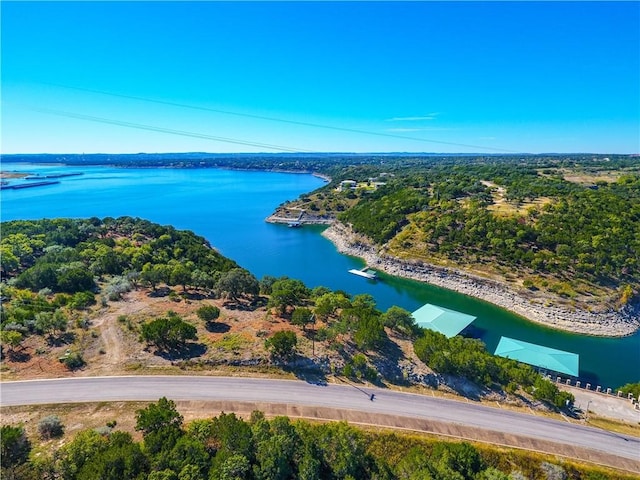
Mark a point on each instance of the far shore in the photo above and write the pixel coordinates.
(609, 324)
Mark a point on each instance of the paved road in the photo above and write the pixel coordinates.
(302, 393)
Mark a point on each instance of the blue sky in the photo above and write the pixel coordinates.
(486, 77)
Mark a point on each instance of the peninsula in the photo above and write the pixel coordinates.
(533, 236)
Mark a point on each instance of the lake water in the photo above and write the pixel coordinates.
(229, 207)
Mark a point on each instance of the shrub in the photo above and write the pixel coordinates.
(73, 360)
(117, 287)
(208, 313)
(633, 388)
(50, 427)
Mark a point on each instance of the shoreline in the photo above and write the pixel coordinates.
(609, 324)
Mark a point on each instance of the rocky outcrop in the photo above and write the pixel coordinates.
(611, 323)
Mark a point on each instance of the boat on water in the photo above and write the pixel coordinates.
(365, 272)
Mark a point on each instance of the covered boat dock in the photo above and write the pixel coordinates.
(539, 356)
(443, 320)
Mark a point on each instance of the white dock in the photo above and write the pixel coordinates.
(365, 272)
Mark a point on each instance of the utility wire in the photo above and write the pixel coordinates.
(274, 119)
(153, 128)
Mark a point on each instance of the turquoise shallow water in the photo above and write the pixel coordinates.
(228, 207)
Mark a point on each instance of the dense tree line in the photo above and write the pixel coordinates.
(468, 358)
(579, 233)
(228, 447)
(101, 247)
(355, 327)
(51, 268)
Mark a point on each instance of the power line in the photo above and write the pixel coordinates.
(153, 128)
(274, 119)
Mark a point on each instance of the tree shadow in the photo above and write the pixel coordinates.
(246, 304)
(184, 352)
(61, 339)
(18, 355)
(306, 369)
(465, 387)
(217, 327)
(159, 292)
(193, 295)
(387, 362)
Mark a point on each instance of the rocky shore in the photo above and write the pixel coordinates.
(609, 324)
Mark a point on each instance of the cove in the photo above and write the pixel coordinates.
(228, 208)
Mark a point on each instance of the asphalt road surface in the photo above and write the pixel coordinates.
(348, 397)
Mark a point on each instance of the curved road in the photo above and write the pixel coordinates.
(347, 397)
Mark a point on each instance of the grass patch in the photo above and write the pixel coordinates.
(232, 343)
(614, 425)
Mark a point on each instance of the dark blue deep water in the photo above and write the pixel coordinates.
(228, 207)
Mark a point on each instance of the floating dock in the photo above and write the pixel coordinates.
(365, 272)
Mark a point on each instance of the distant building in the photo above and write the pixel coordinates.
(347, 185)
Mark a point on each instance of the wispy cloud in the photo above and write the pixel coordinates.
(430, 116)
(417, 129)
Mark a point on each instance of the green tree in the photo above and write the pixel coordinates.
(122, 458)
(208, 313)
(188, 452)
(369, 333)
(51, 323)
(232, 435)
(12, 338)
(237, 282)
(287, 292)
(415, 465)
(343, 450)
(202, 279)
(157, 416)
(154, 275)
(9, 262)
(84, 446)
(302, 317)
(168, 333)
(400, 320)
(282, 345)
(75, 280)
(462, 458)
(180, 275)
(327, 304)
(165, 474)
(161, 427)
(82, 300)
(191, 472)
(14, 446)
(235, 467)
